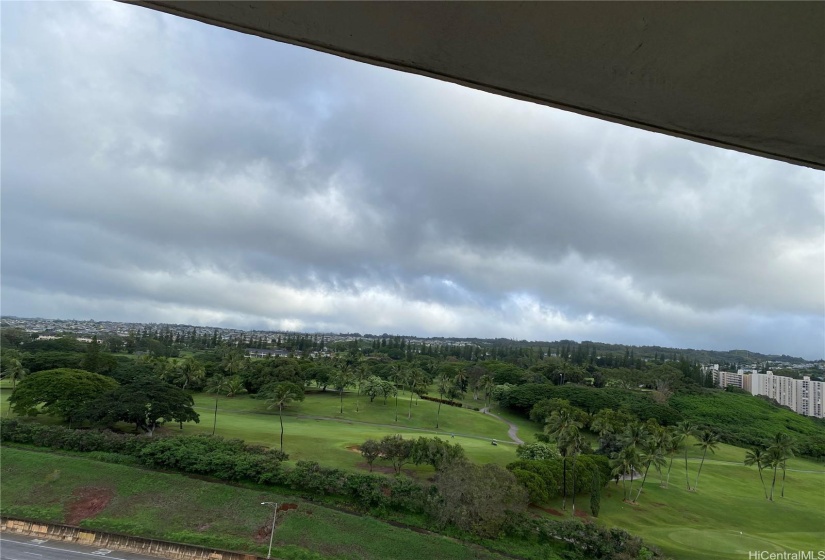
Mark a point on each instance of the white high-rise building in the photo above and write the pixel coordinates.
(803, 396)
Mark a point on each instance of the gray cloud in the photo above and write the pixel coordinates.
(155, 168)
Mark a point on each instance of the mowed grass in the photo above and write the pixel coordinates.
(178, 508)
(315, 430)
(728, 515)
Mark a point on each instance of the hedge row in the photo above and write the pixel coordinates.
(443, 401)
(206, 455)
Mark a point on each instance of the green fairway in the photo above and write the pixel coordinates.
(172, 507)
(728, 515)
(315, 429)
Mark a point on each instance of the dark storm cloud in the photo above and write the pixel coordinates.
(155, 168)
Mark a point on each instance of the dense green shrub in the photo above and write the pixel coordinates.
(743, 420)
(227, 459)
(591, 399)
(549, 472)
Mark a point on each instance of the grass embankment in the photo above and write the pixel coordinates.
(44, 486)
(728, 515)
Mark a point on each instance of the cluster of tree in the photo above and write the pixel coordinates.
(399, 451)
(772, 457)
(79, 396)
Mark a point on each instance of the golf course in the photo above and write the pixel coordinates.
(726, 517)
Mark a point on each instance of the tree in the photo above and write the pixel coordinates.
(216, 385)
(415, 380)
(486, 384)
(757, 456)
(653, 454)
(575, 446)
(537, 451)
(595, 494)
(234, 386)
(625, 462)
(359, 374)
(783, 450)
(233, 362)
(370, 451)
(342, 378)
(61, 392)
(478, 498)
(436, 452)
(397, 450)
(280, 395)
(563, 427)
(398, 375)
(443, 381)
(684, 430)
(190, 370)
(146, 402)
(13, 369)
(673, 443)
(708, 440)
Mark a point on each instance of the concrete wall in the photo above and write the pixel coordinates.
(162, 549)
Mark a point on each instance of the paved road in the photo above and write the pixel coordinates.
(512, 432)
(20, 547)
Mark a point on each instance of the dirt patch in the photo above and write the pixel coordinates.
(354, 448)
(87, 502)
(657, 504)
(581, 513)
(262, 533)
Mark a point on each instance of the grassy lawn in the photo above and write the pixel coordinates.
(728, 515)
(315, 430)
(178, 508)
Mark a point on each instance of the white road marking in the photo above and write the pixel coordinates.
(68, 550)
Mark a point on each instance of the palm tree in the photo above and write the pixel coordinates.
(654, 454)
(415, 379)
(359, 374)
(217, 385)
(684, 430)
(562, 426)
(773, 458)
(234, 386)
(624, 462)
(342, 379)
(14, 371)
(487, 385)
(190, 370)
(757, 456)
(398, 375)
(233, 362)
(707, 440)
(784, 451)
(674, 442)
(281, 395)
(460, 379)
(443, 381)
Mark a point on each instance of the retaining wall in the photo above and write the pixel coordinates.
(162, 549)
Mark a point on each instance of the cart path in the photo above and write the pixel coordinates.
(512, 432)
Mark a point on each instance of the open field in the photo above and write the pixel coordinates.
(173, 507)
(728, 515)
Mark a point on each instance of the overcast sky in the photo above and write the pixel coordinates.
(158, 169)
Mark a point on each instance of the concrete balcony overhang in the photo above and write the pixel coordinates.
(748, 76)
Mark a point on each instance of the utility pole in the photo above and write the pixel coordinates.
(272, 533)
